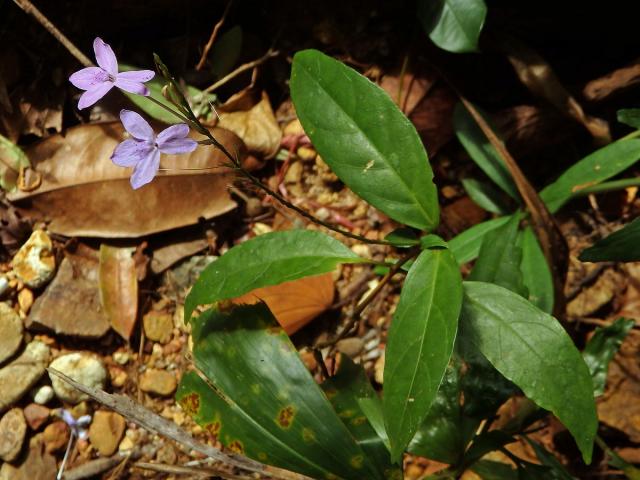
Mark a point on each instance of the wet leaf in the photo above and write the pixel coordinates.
(365, 139)
(485, 196)
(629, 116)
(530, 348)
(453, 25)
(84, 194)
(119, 288)
(420, 343)
(259, 398)
(621, 246)
(295, 303)
(12, 158)
(466, 246)
(268, 259)
(536, 275)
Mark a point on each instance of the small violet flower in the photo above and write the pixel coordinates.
(143, 150)
(97, 81)
(78, 427)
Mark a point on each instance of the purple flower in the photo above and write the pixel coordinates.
(78, 427)
(97, 81)
(143, 150)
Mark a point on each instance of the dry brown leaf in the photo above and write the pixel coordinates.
(257, 127)
(168, 255)
(432, 118)
(119, 288)
(408, 90)
(600, 88)
(84, 194)
(295, 303)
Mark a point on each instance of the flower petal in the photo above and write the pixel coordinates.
(146, 169)
(89, 77)
(137, 126)
(68, 418)
(181, 130)
(132, 87)
(94, 94)
(178, 145)
(131, 152)
(105, 56)
(140, 76)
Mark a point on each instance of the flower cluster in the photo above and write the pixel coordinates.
(142, 151)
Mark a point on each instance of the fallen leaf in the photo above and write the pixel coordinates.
(432, 118)
(600, 88)
(257, 127)
(119, 288)
(407, 90)
(84, 194)
(12, 158)
(168, 255)
(295, 303)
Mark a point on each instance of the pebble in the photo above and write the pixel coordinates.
(36, 415)
(43, 395)
(13, 429)
(56, 436)
(121, 358)
(4, 284)
(159, 382)
(351, 346)
(83, 368)
(25, 299)
(158, 326)
(10, 331)
(378, 370)
(19, 376)
(34, 263)
(106, 431)
(118, 376)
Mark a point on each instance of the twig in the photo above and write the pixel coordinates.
(30, 9)
(98, 466)
(241, 69)
(192, 471)
(214, 35)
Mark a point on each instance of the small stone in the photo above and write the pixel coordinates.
(306, 154)
(126, 444)
(294, 127)
(158, 326)
(10, 331)
(351, 346)
(118, 376)
(56, 436)
(106, 431)
(83, 368)
(121, 358)
(378, 370)
(25, 300)
(19, 376)
(166, 454)
(34, 263)
(4, 284)
(159, 382)
(294, 173)
(13, 429)
(43, 395)
(36, 415)
(361, 250)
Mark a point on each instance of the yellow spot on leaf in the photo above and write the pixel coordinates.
(357, 461)
(236, 447)
(190, 403)
(285, 416)
(308, 435)
(358, 421)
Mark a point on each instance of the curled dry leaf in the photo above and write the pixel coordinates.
(84, 194)
(600, 88)
(119, 288)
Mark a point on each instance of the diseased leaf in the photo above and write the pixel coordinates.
(119, 288)
(12, 159)
(530, 348)
(591, 170)
(621, 246)
(268, 259)
(419, 344)
(601, 348)
(453, 25)
(259, 398)
(485, 196)
(84, 194)
(629, 116)
(536, 274)
(466, 246)
(365, 139)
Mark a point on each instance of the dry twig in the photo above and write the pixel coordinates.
(214, 35)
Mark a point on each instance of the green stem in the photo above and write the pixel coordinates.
(631, 135)
(608, 186)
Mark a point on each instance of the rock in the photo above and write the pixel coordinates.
(25, 300)
(36, 415)
(19, 376)
(10, 331)
(43, 395)
(117, 376)
(83, 368)
(158, 326)
(351, 346)
(121, 358)
(37, 465)
(106, 431)
(159, 382)
(71, 304)
(13, 429)
(56, 436)
(34, 263)
(378, 370)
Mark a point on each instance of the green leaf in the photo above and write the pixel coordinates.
(268, 259)
(402, 238)
(466, 246)
(630, 116)
(487, 442)
(486, 196)
(12, 159)
(500, 257)
(226, 51)
(365, 139)
(453, 25)
(481, 151)
(260, 399)
(346, 391)
(591, 170)
(621, 246)
(601, 348)
(492, 470)
(432, 241)
(536, 274)
(420, 344)
(530, 348)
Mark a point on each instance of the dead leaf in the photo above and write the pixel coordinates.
(84, 194)
(257, 127)
(295, 303)
(168, 255)
(407, 90)
(600, 88)
(119, 288)
(432, 118)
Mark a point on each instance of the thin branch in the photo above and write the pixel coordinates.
(241, 69)
(214, 35)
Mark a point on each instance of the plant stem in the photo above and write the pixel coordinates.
(170, 110)
(608, 186)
